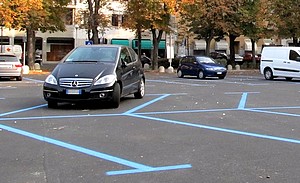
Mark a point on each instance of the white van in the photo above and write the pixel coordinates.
(13, 49)
(280, 62)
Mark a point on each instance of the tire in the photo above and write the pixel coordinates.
(116, 96)
(268, 74)
(179, 74)
(141, 91)
(52, 104)
(201, 75)
(221, 77)
(288, 78)
(19, 78)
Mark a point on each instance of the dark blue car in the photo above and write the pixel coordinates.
(200, 66)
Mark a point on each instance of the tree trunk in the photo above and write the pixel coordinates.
(232, 38)
(139, 34)
(30, 47)
(156, 40)
(253, 53)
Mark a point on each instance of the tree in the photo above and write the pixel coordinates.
(204, 17)
(286, 16)
(136, 19)
(34, 15)
(153, 15)
(96, 20)
(253, 22)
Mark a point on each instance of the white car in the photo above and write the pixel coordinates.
(10, 66)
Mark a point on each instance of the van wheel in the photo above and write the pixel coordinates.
(268, 74)
(288, 78)
(179, 74)
(115, 101)
(201, 75)
(141, 91)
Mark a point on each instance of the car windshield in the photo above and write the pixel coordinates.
(8, 58)
(93, 54)
(205, 60)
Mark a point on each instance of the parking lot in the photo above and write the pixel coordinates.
(185, 130)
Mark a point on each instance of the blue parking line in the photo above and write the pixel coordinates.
(138, 168)
(34, 80)
(146, 104)
(22, 110)
(243, 100)
(270, 137)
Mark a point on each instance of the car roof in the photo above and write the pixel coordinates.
(104, 45)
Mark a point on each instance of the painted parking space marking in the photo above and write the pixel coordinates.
(137, 167)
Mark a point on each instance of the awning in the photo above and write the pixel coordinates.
(120, 42)
(147, 44)
(248, 45)
(221, 45)
(200, 45)
(60, 40)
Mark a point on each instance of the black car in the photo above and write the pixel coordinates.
(200, 66)
(95, 73)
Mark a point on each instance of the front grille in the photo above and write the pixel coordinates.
(75, 82)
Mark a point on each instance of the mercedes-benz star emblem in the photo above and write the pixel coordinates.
(74, 83)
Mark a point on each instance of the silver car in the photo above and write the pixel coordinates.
(10, 66)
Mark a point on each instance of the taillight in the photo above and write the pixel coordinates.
(18, 65)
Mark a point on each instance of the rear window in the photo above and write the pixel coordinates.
(8, 58)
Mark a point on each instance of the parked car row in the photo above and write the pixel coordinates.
(247, 57)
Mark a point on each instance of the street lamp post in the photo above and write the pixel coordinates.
(1, 37)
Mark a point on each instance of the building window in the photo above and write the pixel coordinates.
(117, 20)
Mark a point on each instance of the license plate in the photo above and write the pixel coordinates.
(73, 92)
(219, 72)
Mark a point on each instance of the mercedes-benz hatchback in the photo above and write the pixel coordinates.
(200, 66)
(95, 73)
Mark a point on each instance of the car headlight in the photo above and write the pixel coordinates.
(51, 80)
(106, 80)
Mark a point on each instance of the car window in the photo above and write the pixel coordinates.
(133, 54)
(103, 54)
(125, 56)
(294, 55)
(205, 60)
(8, 58)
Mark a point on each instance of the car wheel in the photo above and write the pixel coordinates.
(201, 75)
(141, 91)
(268, 74)
(221, 77)
(52, 104)
(288, 78)
(179, 74)
(115, 101)
(19, 78)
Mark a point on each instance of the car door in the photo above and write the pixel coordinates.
(293, 64)
(127, 73)
(187, 65)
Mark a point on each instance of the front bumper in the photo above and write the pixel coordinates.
(60, 94)
(215, 73)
